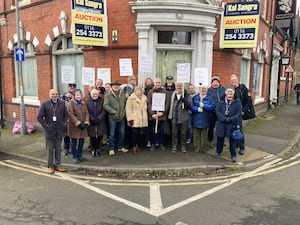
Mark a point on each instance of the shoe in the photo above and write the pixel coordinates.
(156, 145)
(137, 148)
(188, 141)
(76, 161)
(174, 149)
(111, 152)
(152, 148)
(59, 169)
(233, 159)
(210, 144)
(183, 148)
(134, 149)
(242, 152)
(66, 152)
(124, 150)
(217, 155)
(51, 170)
(94, 153)
(162, 147)
(148, 144)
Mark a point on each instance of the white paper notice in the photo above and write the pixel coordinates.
(158, 102)
(183, 72)
(67, 74)
(88, 75)
(201, 76)
(104, 74)
(125, 67)
(145, 64)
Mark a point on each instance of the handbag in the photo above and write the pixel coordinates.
(237, 134)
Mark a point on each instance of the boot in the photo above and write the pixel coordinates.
(134, 149)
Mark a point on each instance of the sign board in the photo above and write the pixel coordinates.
(20, 54)
(125, 67)
(89, 22)
(285, 9)
(67, 74)
(104, 74)
(183, 72)
(239, 25)
(201, 77)
(289, 69)
(145, 64)
(158, 101)
(88, 75)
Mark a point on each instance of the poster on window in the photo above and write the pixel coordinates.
(67, 74)
(145, 64)
(125, 67)
(104, 74)
(88, 76)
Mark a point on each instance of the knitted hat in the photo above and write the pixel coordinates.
(215, 78)
(230, 87)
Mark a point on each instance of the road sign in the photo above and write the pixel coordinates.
(289, 69)
(20, 54)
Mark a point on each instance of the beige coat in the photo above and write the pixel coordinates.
(136, 110)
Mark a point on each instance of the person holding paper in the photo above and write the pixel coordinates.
(158, 107)
(201, 108)
(181, 102)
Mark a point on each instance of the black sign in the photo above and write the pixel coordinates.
(285, 9)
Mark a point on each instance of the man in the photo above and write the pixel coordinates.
(169, 85)
(189, 132)
(159, 117)
(52, 116)
(297, 90)
(216, 93)
(128, 89)
(99, 87)
(114, 104)
(242, 92)
(180, 104)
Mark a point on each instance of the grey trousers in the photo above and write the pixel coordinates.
(53, 147)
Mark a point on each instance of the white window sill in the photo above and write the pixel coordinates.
(27, 101)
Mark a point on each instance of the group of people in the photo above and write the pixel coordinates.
(125, 112)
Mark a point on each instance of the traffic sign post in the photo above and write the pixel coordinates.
(20, 54)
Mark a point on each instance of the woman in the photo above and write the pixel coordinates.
(137, 116)
(97, 116)
(229, 111)
(77, 125)
(148, 85)
(201, 108)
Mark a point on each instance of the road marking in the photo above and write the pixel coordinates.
(156, 207)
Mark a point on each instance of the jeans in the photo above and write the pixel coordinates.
(232, 146)
(159, 136)
(77, 149)
(118, 127)
(298, 98)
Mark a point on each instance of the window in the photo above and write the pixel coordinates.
(174, 37)
(245, 67)
(66, 54)
(258, 75)
(21, 3)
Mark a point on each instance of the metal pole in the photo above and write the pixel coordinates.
(286, 86)
(20, 73)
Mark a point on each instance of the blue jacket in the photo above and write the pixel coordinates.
(216, 94)
(201, 119)
(234, 113)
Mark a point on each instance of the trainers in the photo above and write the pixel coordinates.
(183, 148)
(242, 152)
(66, 152)
(111, 152)
(124, 150)
(233, 159)
(148, 144)
(217, 155)
(188, 141)
(162, 147)
(59, 169)
(51, 170)
(76, 161)
(174, 149)
(152, 148)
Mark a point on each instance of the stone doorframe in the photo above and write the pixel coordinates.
(198, 18)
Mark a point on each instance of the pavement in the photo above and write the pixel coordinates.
(271, 134)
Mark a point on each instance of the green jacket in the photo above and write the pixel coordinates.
(115, 106)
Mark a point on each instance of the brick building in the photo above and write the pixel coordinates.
(170, 32)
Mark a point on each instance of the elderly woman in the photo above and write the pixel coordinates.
(137, 116)
(97, 116)
(77, 125)
(229, 111)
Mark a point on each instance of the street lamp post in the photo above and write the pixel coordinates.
(285, 60)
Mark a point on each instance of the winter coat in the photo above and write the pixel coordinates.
(179, 108)
(136, 110)
(78, 114)
(115, 106)
(167, 104)
(53, 129)
(234, 113)
(97, 116)
(216, 94)
(201, 119)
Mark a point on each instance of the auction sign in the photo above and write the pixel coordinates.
(239, 25)
(89, 22)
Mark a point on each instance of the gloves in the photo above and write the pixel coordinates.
(201, 104)
(227, 120)
(95, 121)
(130, 123)
(81, 126)
(200, 109)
